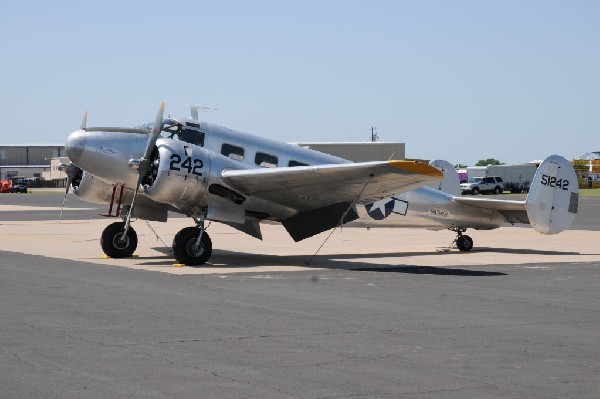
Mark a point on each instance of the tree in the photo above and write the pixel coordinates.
(460, 166)
(489, 161)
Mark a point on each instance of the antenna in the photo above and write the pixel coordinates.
(374, 135)
(194, 108)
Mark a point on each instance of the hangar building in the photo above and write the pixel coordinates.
(28, 160)
(361, 152)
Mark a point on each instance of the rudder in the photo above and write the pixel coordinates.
(553, 196)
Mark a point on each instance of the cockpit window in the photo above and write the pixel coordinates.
(190, 132)
(172, 127)
(192, 137)
(233, 152)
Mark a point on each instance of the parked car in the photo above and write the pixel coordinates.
(19, 185)
(482, 185)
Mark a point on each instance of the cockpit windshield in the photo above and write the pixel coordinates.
(188, 131)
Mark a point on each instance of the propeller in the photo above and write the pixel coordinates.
(74, 174)
(145, 161)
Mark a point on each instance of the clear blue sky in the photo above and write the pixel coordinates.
(458, 80)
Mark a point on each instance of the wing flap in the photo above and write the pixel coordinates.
(305, 188)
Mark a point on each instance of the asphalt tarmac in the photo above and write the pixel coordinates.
(361, 324)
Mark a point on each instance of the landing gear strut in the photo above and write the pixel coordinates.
(192, 245)
(463, 242)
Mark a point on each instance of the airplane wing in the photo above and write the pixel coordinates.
(306, 188)
(323, 195)
(513, 211)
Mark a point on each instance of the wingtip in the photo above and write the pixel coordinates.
(417, 168)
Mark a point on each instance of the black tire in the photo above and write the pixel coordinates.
(475, 191)
(497, 190)
(113, 246)
(464, 243)
(183, 247)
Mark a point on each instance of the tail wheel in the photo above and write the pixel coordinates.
(114, 244)
(184, 247)
(464, 243)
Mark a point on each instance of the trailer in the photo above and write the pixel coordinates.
(517, 178)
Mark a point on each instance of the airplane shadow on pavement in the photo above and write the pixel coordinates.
(224, 259)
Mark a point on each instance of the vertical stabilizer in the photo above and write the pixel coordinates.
(451, 183)
(553, 196)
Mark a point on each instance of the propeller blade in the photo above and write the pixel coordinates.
(84, 121)
(69, 180)
(145, 164)
(155, 132)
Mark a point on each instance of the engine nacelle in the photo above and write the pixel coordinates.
(92, 189)
(179, 174)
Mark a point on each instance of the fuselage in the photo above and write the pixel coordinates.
(104, 153)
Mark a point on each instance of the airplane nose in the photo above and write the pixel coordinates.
(75, 145)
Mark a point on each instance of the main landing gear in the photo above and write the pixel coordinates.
(192, 245)
(463, 242)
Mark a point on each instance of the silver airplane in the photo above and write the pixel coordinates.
(211, 173)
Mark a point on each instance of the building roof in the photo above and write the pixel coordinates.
(32, 145)
(342, 143)
(23, 166)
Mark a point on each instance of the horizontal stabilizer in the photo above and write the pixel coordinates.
(493, 204)
(513, 211)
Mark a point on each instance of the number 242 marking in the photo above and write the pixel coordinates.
(177, 165)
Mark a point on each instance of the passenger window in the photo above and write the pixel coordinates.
(233, 152)
(296, 163)
(265, 160)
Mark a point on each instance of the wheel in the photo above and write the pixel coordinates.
(111, 240)
(475, 191)
(464, 243)
(183, 247)
(497, 190)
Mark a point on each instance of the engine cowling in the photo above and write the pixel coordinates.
(178, 175)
